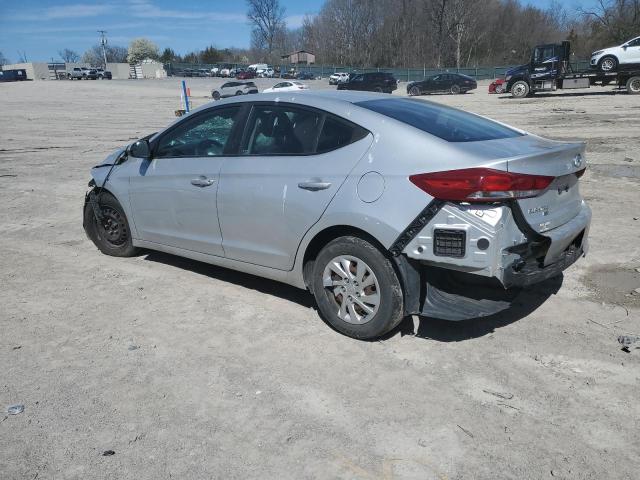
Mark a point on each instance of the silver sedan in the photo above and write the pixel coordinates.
(382, 207)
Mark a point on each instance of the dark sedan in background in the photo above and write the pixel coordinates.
(442, 83)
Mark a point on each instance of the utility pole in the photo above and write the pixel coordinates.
(103, 43)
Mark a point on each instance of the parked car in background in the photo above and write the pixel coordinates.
(305, 76)
(497, 86)
(442, 83)
(288, 86)
(103, 74)
(204, 72)
(245, 74)
(370, 82)
(258, 66)
(231, 89)
(455, 217)
(91, 74)
(265, 73)
(338, 77)
(77, 73)
(609, 59)
(225, 72)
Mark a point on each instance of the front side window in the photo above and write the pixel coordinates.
(206, 135)
(274, 130)
(444, 122)
(634, 43)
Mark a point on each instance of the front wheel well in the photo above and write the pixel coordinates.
(327, 235)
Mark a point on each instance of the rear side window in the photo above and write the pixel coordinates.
(337, 134)
(443, 122)
(282, 131)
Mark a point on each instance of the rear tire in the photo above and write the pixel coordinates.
(112, 235)
(520, 89)
(414, 91)
(500, 89)
(215, 95)
(239, 92)
(379, 90)
(455, 89)
(356, 288)
(633, 85)
(608, 64)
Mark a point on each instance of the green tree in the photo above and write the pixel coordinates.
(141, 49)
(210, 55)
(169, 56)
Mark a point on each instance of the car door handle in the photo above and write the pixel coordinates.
(314, 186)
(202, 182)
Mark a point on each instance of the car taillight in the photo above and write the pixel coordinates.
(480, 184)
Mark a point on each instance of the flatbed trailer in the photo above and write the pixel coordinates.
(550, 70)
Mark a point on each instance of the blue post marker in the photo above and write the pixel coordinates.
(186, 98)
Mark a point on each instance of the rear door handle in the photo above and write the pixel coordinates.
(202, 181)
(314, 186)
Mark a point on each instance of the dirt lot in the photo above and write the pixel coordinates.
(188, 371)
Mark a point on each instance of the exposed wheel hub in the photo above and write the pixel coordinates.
(113, 227)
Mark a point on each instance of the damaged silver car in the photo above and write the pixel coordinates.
(381, 207)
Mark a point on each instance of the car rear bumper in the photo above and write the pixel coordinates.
(496, 255)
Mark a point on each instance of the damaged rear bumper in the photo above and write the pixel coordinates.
(497, 255)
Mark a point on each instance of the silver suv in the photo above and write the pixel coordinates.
(234, 88)
(382, 207)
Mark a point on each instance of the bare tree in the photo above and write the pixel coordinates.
(620, 19)
(3, 60)
(267, 20)
(69, 56)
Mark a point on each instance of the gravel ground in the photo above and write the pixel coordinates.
(189, 371)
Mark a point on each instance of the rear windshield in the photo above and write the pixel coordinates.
(444, 122)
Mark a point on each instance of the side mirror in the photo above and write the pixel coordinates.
(140, 149)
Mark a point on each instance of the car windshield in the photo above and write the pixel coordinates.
(250, 84)
(444, 122)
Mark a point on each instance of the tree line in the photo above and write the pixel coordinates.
(438, 33)
(403, 33)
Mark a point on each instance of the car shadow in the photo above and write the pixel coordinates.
(449, 331)
(246, 280)
(428, 328)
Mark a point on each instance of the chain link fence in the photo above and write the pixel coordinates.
(402, 74)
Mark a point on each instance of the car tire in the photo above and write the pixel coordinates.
(370, 274)
(633, 85)
(608, 64)
(414, 91)
(455, 89)
(239, 92)
(520, 89)
(379, 90)
(215, 95)
(499, 89)
(113, 235)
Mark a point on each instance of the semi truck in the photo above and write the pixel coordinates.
(550, 69)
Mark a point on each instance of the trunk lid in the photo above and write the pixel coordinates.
(534, 155)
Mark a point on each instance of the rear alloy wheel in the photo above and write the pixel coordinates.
(499, 89)
(215, 95)
(608, 64)
(455, 89)
(357, 289)
(239, 92)
(633, 85)
(111, 233)
(520, 89)
(414, 91)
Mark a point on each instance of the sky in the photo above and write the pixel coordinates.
(41, 28)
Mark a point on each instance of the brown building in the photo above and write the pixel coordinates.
(301, 57)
